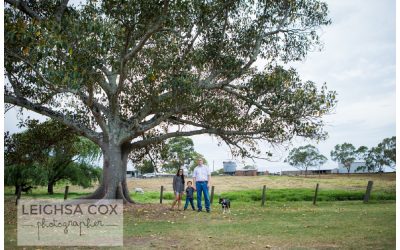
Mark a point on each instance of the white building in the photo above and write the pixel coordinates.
(131, 171)
(353, 168)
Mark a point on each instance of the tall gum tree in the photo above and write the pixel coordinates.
(131, 74)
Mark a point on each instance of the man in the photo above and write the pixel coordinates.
(202, 181)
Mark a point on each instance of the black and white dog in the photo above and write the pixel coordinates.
(226, 205)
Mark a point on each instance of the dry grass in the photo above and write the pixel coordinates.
(384, 182)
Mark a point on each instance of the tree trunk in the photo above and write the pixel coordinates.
(16, 189)
(113, 184)
(50, 186)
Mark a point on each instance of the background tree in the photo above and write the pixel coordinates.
(49, 152)
(18, 170)
(375, 160)
(148, 158)
(72, 160)
(362, 155)
(388, 147)
(23, 152)
(146, 166)
(22, 176)
(178, 152)
(218, 172)
(193, 162)
(249, 167)
(304, 157)
(160, 69)
(346, 154)
(384, 154)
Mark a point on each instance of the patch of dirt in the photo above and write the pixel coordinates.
(152, 211)
(10, 211)
(156, 242)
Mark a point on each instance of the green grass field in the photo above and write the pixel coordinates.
(288, 221)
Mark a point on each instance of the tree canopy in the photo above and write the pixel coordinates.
(304, 157)
(179, 152)
(388, 148)
(159, 69)
(346, 154)
(383, 154)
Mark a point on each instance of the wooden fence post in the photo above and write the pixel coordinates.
(161, 194)
(212, 195)
(368, 191)
(263, 195)
(19, 189)
(315, 195)
(66, 192)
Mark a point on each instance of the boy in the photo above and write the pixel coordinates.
(189, 195)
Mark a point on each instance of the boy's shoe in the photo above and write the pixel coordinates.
(198, 210)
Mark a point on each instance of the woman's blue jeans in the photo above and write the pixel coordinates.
(201, 186)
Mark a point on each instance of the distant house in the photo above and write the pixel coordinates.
(246, 172)
(359, 167)
(295, 172)
(322, 170)
(131, 171)
(262, 172)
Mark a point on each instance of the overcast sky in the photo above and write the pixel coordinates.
(357, 61)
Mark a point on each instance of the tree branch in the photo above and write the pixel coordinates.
(147, 108)
(205, 130)
(81, 129)
(94, 108)
(257, 47)
(163, 137)
(93, 105)
(14, 85)
(209, 22)
(156, 27)
(22, 6)
(61, 10)
(219, 131)
(26, 61)
(248, 100)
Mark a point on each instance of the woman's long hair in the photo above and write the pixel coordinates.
(183, 176)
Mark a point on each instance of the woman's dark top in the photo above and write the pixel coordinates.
(177, 184)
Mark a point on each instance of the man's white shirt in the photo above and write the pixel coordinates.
(201, 173)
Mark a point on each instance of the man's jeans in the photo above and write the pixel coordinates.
(201, 186)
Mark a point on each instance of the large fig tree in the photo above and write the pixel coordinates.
(131, 74)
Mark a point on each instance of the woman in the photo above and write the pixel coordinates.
(178, 185)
